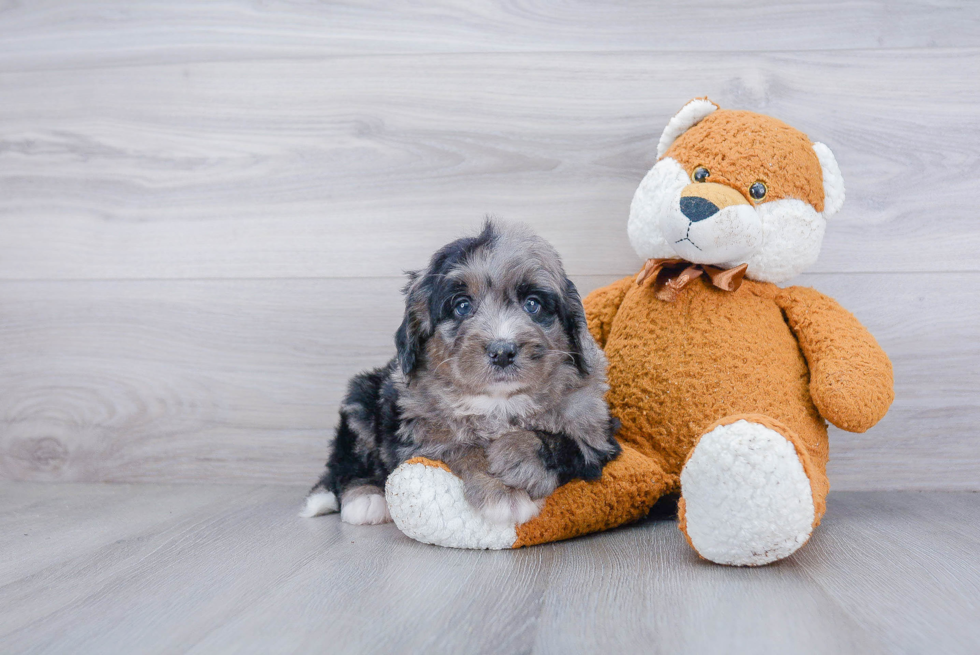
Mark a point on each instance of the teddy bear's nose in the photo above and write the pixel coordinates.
(701, 200)
(697, 209)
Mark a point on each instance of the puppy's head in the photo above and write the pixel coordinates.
(494, 314)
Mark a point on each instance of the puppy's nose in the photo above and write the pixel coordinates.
(502, 353)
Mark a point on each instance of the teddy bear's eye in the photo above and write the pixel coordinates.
(701, 174)
(758, 191)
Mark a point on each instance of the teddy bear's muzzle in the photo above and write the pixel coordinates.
(712, 224)
(702, 200)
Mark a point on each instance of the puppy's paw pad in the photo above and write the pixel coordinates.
(318, 504)
(514, 508)
(369, 509)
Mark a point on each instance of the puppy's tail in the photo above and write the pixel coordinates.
(319, 501)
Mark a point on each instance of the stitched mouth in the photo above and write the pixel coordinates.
(687, 236)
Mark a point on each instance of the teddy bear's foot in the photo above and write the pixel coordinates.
(746, 499)
(427, 504)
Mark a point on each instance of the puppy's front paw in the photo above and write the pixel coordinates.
(499, 503)
(365, 509)
(514, 458)
(513, 508)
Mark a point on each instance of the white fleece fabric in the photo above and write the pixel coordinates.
(427, 504)
(690, 115)
(748, 501)
(792, 234)
(657, 196)
(833, 181)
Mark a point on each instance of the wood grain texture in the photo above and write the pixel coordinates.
(353, 166)
(239, 381)
(211, 569)
(53, 33)
(204, 207)
(894, 541)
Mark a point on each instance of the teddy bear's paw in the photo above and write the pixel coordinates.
(427, 504)
(747, 500)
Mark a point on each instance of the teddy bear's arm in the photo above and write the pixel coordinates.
(851, 379)
(601, 306)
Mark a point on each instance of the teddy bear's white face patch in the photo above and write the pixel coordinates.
(729, 235)
(658, 192)
(778, 239)
(792, 233)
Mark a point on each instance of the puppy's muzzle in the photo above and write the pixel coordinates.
(702, 200)
(502, 353)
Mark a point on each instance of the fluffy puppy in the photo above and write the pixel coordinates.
(496, 375)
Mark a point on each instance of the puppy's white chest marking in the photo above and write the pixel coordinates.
(499, 405)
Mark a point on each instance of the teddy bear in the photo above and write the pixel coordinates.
(723, 382)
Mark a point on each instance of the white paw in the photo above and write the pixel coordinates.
(318, 504)
(513, 509)
(369, 509)
(747, 500)
(427, 504)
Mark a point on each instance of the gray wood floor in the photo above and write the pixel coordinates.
(214, 569)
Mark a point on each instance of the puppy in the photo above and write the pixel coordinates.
(496, 375)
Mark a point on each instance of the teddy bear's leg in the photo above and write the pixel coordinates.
(751, 493)
(427, 504)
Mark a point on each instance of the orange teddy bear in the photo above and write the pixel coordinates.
(721, 379)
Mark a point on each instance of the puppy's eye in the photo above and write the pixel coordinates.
(758, 191)
(532, 305)
(462, 307)
(700, 174)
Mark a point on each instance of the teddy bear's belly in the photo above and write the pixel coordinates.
(676, 368)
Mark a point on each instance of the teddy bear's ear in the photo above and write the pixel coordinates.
(690, 115)
(833, 181)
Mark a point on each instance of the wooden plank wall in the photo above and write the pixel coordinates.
(205, 209)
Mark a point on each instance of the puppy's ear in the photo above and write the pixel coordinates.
(415, 328)
(585, 352)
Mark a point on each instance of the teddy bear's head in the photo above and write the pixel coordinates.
(735, 187)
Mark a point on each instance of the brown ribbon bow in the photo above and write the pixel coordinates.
(672, 275)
